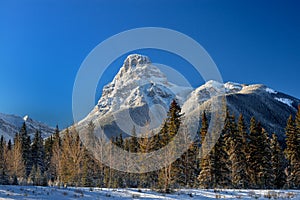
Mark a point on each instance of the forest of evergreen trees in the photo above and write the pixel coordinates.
(243, 157)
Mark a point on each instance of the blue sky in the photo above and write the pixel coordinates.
(43, 43)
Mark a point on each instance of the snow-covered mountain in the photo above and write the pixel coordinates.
(139, 87)
(11, 124)
(268, 106)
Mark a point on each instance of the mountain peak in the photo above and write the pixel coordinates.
(136, 59)
(26, 117)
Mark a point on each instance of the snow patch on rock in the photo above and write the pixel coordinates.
(285, 101)
(271, 91)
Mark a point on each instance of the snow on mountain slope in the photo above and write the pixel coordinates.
(139, 87)
(11, 124)
(269, 107)
(140, 91)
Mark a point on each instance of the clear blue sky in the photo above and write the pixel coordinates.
(43, 43)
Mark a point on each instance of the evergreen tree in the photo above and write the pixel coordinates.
(259, 157)
(236, 150)
(254, 156)
(222, 178)
(266, 175)
(88, 171)
(204, 127)
(167, 175)
(297, 124)
(55, 163)
(292, 154)
(3, 162)
(205, 178)
(9, 145)
(278, 163)
(36, 177)
(174, 119)
(89, 139)
(134, 145)
(38, 152)
(48, 147)
(242, 129)
(25, 146)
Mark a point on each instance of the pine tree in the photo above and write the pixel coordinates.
(25, 146)
(204, 127)
(3, 162)
(88, 171)
(242, 129)
(259, 157)
(205, 177)
(292, 154)
(89, 139)
(38, 152)
(167, 175)
(297, 124)
(266, 175)
(9, 145)
(55, 163)
(48, 147)
(235, 143)
(36, 177)
(278, 163)
(254, 156)
(222, 178)
(134, 145)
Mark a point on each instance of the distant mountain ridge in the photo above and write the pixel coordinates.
(268, 106)
(11, 124)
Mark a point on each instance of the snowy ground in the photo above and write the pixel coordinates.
(32, 192)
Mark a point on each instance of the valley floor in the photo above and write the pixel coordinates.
(35, 192)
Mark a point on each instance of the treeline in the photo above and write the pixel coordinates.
(243, 157)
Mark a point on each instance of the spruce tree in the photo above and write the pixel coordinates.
(259, 157)
(134, 145)
(292, 154)
(254, 156)
(38, 152)
(205, 178)
(266, 175)
(235, 139)
(222, 176)
(55, 163)
(167, 175)
(25, 146)
(297, 124)
(278, 163)
(204, 127)
(48, 146)
(3, 162)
